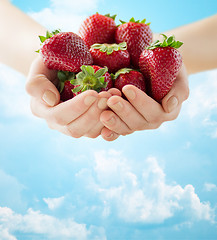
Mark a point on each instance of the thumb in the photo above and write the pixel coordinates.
(40, 83)
(178, 93)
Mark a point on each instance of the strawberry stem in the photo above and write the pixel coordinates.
(167, 42)
(134, 21)
(113, 16)
(48, 35)
(121, 71)
(109, 48)
(88, 79)
(64, 76)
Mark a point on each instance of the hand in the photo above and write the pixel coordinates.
(141, 112)
(76, 117)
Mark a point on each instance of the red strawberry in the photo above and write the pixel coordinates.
(65, 86)
(128, 76)
(114, 56)
(160, 64)
(67, 93)
(98, 29)
(92, 77)
(137, 35)
(65, 51)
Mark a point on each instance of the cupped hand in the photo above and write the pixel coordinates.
(141, 112)
(77, 117)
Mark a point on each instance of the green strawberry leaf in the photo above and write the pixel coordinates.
(62, 76)
(101, 72)
(76, 89)
(42, 38)
(122, 22)
(170, 40)
(88, 70)
(113, 16)
(79, 77)
(102, 80)
(61, 87)
(179, 44)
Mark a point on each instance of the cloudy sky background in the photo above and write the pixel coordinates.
(159, 184)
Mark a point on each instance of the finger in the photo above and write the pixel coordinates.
(39, 83)
(128, 114)
(59, 128)
(151, 110)
(109, 135)
(89, 123)
(178, 93)
(113, 122)
(103, 98)
(68, 111)
(115, 92)
(102, 105)
(95, 130)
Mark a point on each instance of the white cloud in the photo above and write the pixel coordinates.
(74, 6)
(203, 97)
(66, 15)
(144, 196)
(54, 203)
(201, 106)
(10, 191)
(200, 110)
(210, 187)
(34, 222)
(5, 235)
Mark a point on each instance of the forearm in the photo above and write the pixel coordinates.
(199, 50)
(19, 37)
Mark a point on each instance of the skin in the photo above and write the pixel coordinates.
(199, 50)
(76, 117)
(18, 42)
(107, 114)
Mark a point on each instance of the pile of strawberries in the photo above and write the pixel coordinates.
(104, 55)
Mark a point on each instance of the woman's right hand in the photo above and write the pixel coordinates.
(77, 117)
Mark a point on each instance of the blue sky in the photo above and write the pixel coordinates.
(159, 184)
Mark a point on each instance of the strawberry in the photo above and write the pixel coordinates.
(98, 29)
(65, 51)
(160, 64)
(137, 35)
(65, 86)
(128, 76)
(67, 93)
(92, 77)
(114, 56)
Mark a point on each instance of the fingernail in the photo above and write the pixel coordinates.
(117, 106)
(130, 94)
(102, 104)
(89, 100)
(172, 103)
(110, 135)
(49, 97)
(110, 121)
